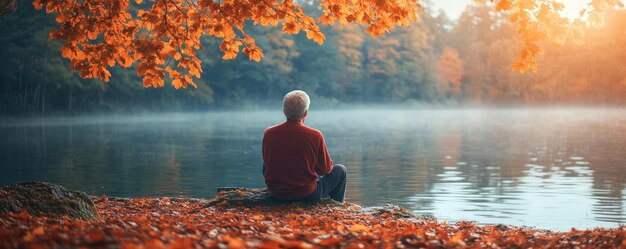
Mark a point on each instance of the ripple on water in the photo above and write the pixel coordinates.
(584, 170)
(452, 179)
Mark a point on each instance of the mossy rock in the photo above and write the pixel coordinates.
(395, 211)
(255, 197)
(7, 7)
(47, 199)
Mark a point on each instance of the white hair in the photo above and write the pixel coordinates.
(295, 104)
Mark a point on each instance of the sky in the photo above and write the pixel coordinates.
(454, 8)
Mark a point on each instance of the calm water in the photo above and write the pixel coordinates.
(552, 168)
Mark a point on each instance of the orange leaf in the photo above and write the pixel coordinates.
(38, 230)
(503, 5)
(457, 239)
(248, 39)
(37, 4)
(177, 83)
(235, 243)
(358, 228)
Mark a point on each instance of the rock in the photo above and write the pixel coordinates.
(7, 7)
(47, 199)
(254, 197)
(394, 210)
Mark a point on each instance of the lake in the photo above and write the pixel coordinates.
(548, 168)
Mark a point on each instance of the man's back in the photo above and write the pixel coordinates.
(294, 155)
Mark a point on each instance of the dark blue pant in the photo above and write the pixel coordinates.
(332, 185)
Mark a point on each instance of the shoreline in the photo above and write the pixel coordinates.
(165, 222)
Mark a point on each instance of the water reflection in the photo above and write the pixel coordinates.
(547, 168)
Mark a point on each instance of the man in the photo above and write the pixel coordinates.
(296, 164)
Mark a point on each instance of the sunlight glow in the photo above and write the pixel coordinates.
(454, 8)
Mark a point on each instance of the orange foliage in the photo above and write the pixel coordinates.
(283, 51)
(449, 71)
(185, 223)
(540, 20)
(163, 36)
(350, 45)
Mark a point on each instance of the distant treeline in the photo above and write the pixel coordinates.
(435, 61)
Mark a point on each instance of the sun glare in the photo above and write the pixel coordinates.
(453, 8)
(573, 8)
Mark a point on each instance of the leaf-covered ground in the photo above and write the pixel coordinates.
(185, 223)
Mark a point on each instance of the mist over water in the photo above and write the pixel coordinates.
(551, 168)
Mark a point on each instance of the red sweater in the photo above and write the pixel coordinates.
(294, 156)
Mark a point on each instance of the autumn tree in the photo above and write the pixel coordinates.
(162, 38)
(475, 30)
(283, 51)
(590, 74)
(350, 40)
(37, 80)
(401, 65)
(569, 73)
(538, 21)
(449, 71)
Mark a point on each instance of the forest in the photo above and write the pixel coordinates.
(436, 61)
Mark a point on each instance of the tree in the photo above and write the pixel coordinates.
(539, 20)
(570, 73)
(449, 71)
(164, 35)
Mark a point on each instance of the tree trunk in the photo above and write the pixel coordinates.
(45, 86)
(43, 98)
(7, 7)
(22, 97)
(69, 104)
